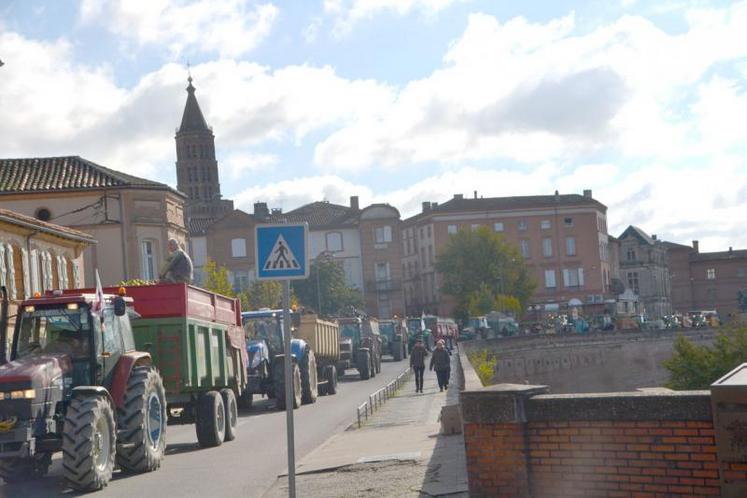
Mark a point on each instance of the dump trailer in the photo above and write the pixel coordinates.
(196, 340)
(314, 352)
(74, 382)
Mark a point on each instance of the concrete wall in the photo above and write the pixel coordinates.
(585, 364)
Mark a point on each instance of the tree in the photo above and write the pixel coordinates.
(475, 264)
(217, 279)
(326, 290)
(697, 367)
(262, 294)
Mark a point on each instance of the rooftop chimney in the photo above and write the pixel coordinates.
(354, 202)
(277, 210)
(730, 250)
(653, 236)
(475, 194)
(426, 206)
(260, 210)
(587, 193)
(433, 205)
(458, 197)
(695, 246)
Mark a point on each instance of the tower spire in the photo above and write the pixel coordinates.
(192, 119)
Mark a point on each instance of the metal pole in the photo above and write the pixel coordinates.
(289, 390)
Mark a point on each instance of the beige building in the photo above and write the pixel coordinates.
(562, 238)
(131, 218)
(36, 256)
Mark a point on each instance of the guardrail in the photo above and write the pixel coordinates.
(378, 398)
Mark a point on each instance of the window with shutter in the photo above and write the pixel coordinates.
(26, 273)
(3, 271)
(35, 273)
(76, 275)
(64, 283)
(12, 292)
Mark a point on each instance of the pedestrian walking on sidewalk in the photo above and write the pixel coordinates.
(441, 363)
(417, 363)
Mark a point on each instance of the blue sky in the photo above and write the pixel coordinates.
(401, 101)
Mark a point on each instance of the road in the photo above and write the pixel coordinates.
(245, 467)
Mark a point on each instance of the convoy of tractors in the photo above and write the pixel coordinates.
(98, 375)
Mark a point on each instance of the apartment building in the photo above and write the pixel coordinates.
(706, 280)
(562, 238)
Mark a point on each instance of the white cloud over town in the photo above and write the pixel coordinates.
(651, 121)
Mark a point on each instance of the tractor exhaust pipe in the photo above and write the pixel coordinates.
(4, 325)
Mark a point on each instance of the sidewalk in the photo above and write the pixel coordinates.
(398, 452)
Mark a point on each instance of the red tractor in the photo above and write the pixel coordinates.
(74, 383)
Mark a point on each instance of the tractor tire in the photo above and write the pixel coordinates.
(246, 400)
(232, 413)
(397, 350)
(141, 422)
(309, 381)
(331, 377)
(364, 365)
(211, 419)
(279, 385)
(89, 443)
(17, 470)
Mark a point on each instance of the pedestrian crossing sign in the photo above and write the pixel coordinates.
(282, 252)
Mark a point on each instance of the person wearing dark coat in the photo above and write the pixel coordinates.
(417, 362)
(441, 363)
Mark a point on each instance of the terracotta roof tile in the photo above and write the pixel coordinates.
(319, 215)
(65, 232)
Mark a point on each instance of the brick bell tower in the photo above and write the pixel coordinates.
(197, 168)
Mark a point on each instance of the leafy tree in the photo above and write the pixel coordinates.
(477, 264)
(484, 365)
(326, 288)
(696, 367)
(262, 294)
(216, 279)
(481, 301)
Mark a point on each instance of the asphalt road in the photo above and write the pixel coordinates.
(245, 467)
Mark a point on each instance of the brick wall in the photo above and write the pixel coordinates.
(521, 443)
(626, 459)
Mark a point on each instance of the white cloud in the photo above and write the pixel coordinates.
(347, 13)
(227, 27)
(238, 163)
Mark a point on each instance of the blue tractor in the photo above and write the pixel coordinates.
(266, 374)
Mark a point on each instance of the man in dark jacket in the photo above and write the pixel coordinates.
(441, 363)
(178, 267)
(417, 362)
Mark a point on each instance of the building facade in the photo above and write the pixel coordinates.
(643, 268)
(705, 281)
(130, 217)
(562, 238)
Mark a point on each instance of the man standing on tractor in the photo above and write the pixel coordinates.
(178, 267)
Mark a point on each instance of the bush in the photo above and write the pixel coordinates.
(484, 365)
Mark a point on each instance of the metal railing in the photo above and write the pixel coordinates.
(377, 398)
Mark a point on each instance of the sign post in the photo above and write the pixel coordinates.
(281, 252)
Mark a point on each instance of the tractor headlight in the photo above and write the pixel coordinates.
(24, 394)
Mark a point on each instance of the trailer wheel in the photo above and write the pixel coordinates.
(142, 422)
(15, 470)
(397, 350)
(246, 399)
(309, 378)
(211, 419)
(279, 384)
(232, 413)
(364, 364)
(331, 377)
(89, 442)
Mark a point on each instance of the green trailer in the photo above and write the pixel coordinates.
(197, 342)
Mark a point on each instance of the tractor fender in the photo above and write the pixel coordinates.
(91, 390)
(122, 371)
(298, 349)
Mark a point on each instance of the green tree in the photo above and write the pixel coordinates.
(262, 294)
(326, 288)
(696, 367)
(217, 279)
(473, 261)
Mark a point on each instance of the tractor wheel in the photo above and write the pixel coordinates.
(331, 377)
(279, 384)
(89, 443)
(397, 350)
(211, 419)
(232, 413)
(364, 364)
(142, 421)
(16, 470)
(309, 384)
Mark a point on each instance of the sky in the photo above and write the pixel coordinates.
(401, 101)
